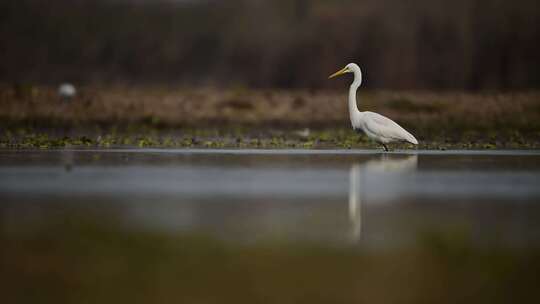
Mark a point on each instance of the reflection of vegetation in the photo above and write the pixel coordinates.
(81, 260)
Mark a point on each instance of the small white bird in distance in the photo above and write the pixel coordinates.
(67, 91)
(377, 127)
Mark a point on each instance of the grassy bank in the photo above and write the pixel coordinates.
(181, 117)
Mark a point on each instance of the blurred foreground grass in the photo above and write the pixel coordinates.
(85, 259)
(186, 117)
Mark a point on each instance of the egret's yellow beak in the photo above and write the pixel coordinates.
(340, 72)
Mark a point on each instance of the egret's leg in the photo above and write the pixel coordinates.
(385, 147)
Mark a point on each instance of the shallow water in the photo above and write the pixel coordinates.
(363, 197)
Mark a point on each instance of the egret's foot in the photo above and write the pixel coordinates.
(385, 148)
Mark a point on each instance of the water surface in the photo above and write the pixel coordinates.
(361, 197)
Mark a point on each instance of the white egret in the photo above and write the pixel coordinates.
(377, 127)
(67, 91)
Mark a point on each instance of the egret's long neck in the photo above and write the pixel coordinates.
(354, 113)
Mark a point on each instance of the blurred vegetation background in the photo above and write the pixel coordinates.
(416, 44)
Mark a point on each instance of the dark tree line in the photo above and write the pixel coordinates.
(415, 44)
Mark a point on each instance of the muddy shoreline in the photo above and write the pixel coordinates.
(34, 117)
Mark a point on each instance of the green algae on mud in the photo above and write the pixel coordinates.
(245, 137)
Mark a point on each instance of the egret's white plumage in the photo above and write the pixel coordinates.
(67, 91)
(377, 127)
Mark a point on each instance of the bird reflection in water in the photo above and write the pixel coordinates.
(355, 202)
(67, 157)
(383, 172)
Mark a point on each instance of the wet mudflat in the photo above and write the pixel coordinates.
(442, 219)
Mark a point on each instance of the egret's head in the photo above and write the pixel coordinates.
(349, 68)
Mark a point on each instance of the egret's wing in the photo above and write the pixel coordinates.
(387, 128)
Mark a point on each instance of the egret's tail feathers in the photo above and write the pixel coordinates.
(412, 139)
